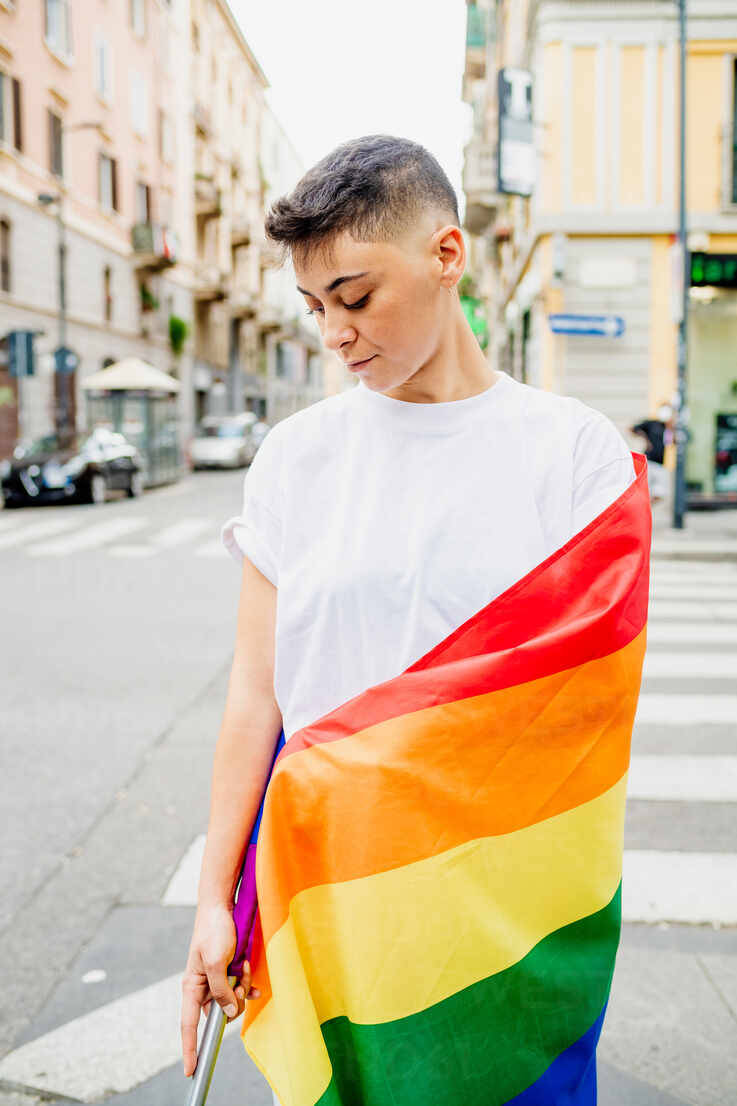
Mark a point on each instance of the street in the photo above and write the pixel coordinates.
(118, 632)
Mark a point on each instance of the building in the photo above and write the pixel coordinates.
(89, 163)
(291, 347)
(228, 87)
(131, 213)
(595, 236)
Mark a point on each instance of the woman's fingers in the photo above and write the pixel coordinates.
(192, 994)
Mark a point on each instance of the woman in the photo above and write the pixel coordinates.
(377, 521)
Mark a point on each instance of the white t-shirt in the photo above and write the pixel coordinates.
(386, 524)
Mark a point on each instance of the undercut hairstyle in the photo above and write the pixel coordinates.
(375, 188)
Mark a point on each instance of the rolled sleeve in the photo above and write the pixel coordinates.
(256, 532)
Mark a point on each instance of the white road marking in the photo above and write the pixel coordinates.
(89, 537)
(8, 520)
(182, 531)
(679, 887)
(702, 666)
(701, 593)
(182, 889)
(40, 529)
(686, 710)
(667, 608)
(693, 568)
(109, 1050)
(691, 633)
(131, 550)
(693, 779)
(211, 549)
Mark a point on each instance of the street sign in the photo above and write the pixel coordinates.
(65, 359)
(599, 326)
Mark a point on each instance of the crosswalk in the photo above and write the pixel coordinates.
(66, 532)
(689, 691)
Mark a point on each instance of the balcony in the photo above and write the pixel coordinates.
(243, 304)
(211, 285)
(154, 247)
(480, 185)
(240, 231)
(207, 198)
(270, 318)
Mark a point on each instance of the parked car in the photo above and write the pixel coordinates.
(84, 468)
(224, 441)
(258, 432)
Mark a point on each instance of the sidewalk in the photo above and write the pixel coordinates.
(706, 536)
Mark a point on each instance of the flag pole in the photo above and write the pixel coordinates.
(208, 1051)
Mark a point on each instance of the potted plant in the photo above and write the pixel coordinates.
(178, 331)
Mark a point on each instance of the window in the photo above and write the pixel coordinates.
(107, 294)
(108, 182)
(143, 202)
(733, 192)
(59, 27)
(56, 149)
(17, 116)
(138, 103)
(138, 17)
(166, 138)
(4, 255)
(103, 69)
(11, 112)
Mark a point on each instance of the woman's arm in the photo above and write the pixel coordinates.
(243, 756)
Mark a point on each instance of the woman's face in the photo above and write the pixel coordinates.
(393, 311)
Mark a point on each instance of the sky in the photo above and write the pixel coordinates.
(338, 70)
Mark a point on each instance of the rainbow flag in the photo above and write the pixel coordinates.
(439, 860)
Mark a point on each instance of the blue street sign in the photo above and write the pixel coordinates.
(601, 326)
(65, 359)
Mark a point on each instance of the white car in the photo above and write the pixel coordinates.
(224, 441)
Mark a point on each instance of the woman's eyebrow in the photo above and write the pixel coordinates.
(333, 284)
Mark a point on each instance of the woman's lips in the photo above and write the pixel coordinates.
(360, 364)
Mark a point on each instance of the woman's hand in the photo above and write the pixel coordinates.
(210, 952)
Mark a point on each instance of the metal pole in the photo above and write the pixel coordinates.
(681, 428)
(208, 1052)
(62, 379)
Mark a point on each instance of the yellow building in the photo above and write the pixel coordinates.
(595, 237)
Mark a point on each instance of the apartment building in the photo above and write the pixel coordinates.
(90, 157)
(227, 87)
(594, 239)
(137, 157)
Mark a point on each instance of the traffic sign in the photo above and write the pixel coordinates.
(600, 326)
(65, 359)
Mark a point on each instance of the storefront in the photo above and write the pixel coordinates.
(711, 469)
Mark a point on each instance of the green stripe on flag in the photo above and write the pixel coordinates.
(490, 1041)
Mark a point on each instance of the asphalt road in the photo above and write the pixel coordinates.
(118, 626)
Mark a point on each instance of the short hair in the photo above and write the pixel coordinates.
(375, 187)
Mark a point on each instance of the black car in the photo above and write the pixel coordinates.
(81, 468)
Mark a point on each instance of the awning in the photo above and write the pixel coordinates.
(131, 374)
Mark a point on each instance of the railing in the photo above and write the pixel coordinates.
(480, 185)
(154, 246)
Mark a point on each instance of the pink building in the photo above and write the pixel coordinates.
(92, 120)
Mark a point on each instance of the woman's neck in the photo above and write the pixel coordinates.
(457, 369)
